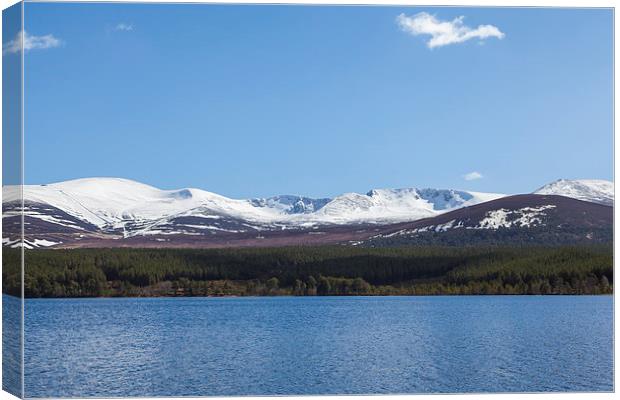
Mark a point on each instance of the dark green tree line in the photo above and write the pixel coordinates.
(332, 270)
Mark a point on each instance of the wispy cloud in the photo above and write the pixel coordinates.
(31, 42)
(443, 33)
(472, 176)
(123, 27)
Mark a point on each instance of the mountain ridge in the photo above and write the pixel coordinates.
(109, 201)
(593, 190)
(93, 209)
(520, 219)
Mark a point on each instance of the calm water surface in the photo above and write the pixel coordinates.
(320, 345)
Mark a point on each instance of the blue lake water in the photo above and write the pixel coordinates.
(317, 345)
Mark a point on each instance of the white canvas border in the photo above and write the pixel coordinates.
(447, 3)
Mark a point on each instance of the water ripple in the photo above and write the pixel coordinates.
(352, 345)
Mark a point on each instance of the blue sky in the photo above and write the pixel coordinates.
(262, 100)
(11, 107)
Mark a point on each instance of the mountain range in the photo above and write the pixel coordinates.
(113, 212)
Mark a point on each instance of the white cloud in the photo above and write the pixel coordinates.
(123, 27)
(31, 42)
(443, 33)
(472, 176)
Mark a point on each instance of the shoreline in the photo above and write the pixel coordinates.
(292, 296)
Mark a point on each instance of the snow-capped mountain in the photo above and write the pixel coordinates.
(114, 211)
(114, 204)
(593, 190)
(397, 205)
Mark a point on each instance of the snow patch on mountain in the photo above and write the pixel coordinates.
(524, 218)
(27, 244)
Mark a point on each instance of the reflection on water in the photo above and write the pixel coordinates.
(261, 346)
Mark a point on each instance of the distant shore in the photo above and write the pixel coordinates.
(311, 271)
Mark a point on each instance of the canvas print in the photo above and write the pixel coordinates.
(232, 200)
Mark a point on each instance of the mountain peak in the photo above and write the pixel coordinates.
(593, 190)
